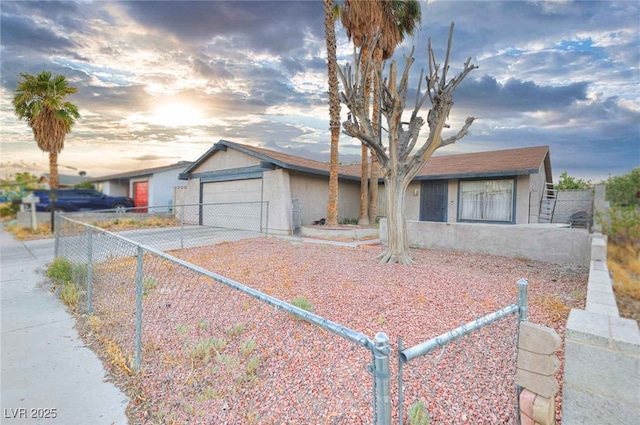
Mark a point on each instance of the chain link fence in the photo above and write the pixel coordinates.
(207, 348)
(466, 375)
(171, 227)
(203, 347)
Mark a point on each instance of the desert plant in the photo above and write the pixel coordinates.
(622, 226)
(69, 294)
(203, 325)
(303, 303)
(207, 393)
(418, 414)
(247, 347)
(235, 330)
(60, 270)
(183, 329)
(202, 350)
(148, 284)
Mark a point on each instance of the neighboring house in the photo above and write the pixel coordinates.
(490, 187)
(151, 186)
(64, 180)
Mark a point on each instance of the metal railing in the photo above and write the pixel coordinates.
(451, 386)
(199, 340)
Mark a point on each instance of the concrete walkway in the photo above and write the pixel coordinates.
(46, 368)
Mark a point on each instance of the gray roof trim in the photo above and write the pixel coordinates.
(232, 177)
(233, 173)
(477, 175)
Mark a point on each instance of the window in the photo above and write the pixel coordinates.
(486, 200)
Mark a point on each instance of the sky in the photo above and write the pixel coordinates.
(161, 82)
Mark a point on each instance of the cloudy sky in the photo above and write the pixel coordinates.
(162, 81)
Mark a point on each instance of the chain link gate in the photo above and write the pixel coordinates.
(458, 388)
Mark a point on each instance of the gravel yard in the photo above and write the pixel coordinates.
(212, 355)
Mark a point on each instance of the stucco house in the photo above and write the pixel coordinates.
(151, 186)
(503, 186)
(64, 180)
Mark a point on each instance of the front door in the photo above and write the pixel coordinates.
(141, 196)
(433, 201)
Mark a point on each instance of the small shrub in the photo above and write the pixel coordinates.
(201, 350)
(80, 274)
(218, 344)
(418, 414)
(303, 303)
(622, 226)
(247, 347)
(235, 330)
(9, 210)
(117, 358)
(208, 393)
(60, 270)
(251, 367)
(69, 294)
(183, 329)
(348, 220)
(149, 283)
(203, 325)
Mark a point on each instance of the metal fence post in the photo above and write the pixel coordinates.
(182, 227)
(137, 360)
(523, 300)
(57, 237)
(523, 316)
(89, 270)
(400, 393)
(267, 220)
(382, 379)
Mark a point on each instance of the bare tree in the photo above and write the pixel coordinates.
(398, 166)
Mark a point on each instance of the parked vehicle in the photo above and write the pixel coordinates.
(71, 200)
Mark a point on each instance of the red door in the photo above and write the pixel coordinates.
(141, 196)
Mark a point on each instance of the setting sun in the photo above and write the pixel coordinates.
(176, 115)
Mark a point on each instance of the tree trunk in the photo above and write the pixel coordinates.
(334, 112)
(363, 220)
(375, 119)
(397, 239)
(53, 170)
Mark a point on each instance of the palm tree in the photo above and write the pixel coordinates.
(40, 101)
(399, 18)
(363, 20)
(334, 111)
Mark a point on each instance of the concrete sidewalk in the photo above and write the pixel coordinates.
(46, 368)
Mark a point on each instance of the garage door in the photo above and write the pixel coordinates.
(232, 204)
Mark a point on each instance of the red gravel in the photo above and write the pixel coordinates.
(306, 375)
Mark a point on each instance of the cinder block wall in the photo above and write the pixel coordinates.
(602, 355)
(572, 201)
(541, 243)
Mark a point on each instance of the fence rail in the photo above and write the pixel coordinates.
(459, 367)
(228, 344)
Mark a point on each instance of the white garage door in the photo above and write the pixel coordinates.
(232, 204)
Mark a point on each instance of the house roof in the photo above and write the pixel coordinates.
(140, 173)
(283, 160)
(507, 162)
(64, 179)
